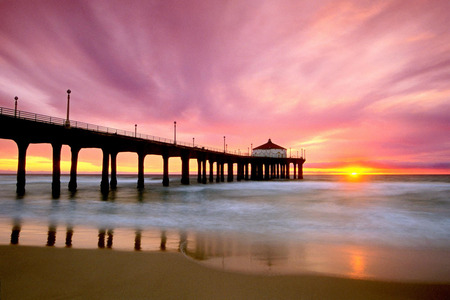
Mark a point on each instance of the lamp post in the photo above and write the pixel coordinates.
(175, 132)
(135, 130)
(224, 150)
(193, 142)
(15, 106)
(68, 106)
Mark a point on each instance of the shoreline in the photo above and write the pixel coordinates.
(28, 272)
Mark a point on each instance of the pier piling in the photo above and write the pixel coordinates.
(22, 149)
(56, 175)
(165, 169)
(113, 181)
(140, 183)
(185, 168)
(73, 168)
(104, 185)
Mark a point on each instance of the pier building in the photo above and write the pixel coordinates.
(270, 149)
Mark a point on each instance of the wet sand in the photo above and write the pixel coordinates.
(49, 273)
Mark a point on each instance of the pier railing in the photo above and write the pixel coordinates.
(102, 129)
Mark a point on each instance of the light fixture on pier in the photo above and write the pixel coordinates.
(15, 106)
(68, 106)
(175, 132)
(135, 130)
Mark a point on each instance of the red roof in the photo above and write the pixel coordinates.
(269, 145)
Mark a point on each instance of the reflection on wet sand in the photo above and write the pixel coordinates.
(51, 236)
(101, 238)
(238, 253)
(358, 264)
(15, 234)
(162, 246)
(105, 238)
(69, 235)
(137, 240)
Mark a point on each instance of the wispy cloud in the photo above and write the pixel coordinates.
(295, 71)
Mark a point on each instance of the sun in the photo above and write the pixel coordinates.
(356, 171)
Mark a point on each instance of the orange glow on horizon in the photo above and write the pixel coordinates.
(127, 164)
(370, 171)
(39, 160)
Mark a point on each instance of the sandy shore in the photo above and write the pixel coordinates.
(49, 273)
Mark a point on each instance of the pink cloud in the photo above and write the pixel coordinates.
(348, 73)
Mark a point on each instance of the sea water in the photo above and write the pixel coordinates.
(383, 227)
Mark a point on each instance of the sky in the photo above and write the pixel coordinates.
(362, 86)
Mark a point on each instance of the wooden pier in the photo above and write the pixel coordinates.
(26, 128)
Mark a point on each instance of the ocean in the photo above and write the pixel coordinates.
(386, 227)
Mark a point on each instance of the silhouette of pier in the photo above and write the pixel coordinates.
(26, 128)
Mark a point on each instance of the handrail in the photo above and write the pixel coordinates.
(102, 129)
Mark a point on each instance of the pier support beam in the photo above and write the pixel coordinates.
(260, 171)
(73, 168)
(230, 172)
(104, 185)
(204, 172)
(246, 171)
(165, 169)
(113, 182)
(211, 171)
(266, 171)
(22, 148)
(287, 170)
(140, 182)
(199, 170)
(218, 171)
(300, 171)
(222, 171)
(239, 171)
(56, 174)
(295, 171)
(185, 168)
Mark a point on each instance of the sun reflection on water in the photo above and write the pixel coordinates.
(358, 264)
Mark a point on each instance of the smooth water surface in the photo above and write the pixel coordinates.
(350, 226)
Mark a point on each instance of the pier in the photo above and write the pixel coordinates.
(26, 128)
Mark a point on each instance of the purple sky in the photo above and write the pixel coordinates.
(354, 82)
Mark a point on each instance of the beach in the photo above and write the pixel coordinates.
(382, 237)
(64, 273)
